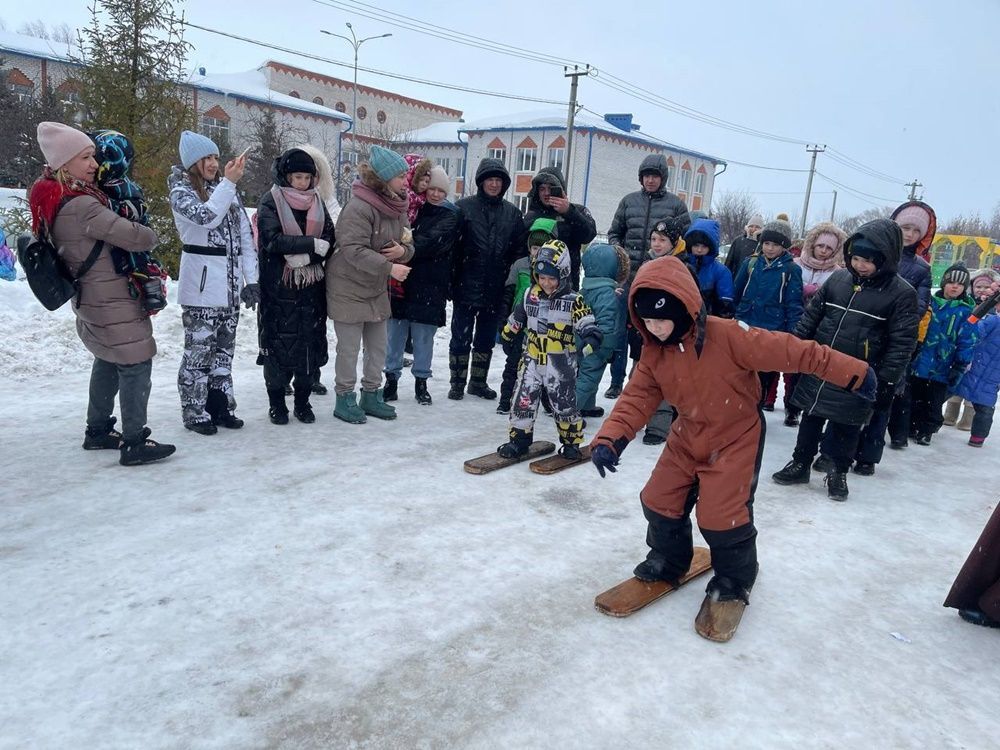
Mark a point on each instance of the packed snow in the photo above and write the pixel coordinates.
(342, 586)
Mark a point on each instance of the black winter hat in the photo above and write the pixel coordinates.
(659, 305)
(957, 274)
(298, 160)
(862, 247)
(670, 229)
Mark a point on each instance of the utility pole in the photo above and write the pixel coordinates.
(913, 189)
(833, 208)
(574, 75)
(809, 185)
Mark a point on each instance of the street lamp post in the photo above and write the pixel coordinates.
(356, 45)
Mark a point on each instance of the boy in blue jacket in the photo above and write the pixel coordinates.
(602, 269)
(982, 381)
(768, 290)
(945, 353)
(714, 280)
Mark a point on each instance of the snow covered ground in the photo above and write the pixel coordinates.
(339, 586)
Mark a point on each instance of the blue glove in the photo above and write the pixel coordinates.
(869, 388)
(604, 457)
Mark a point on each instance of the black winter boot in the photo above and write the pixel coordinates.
(278, 413)
(503, 406)
(420, 392)
(477, 380)
(795, 472)
(390, 392)
(836, 485)
(864, 468)
(458, 365)
(520, 442)
(217, 406)
(303, 409)
(823, 464)
(144, 451)
(614, 390)
(202, 427)
(670, 547)
(105, 437)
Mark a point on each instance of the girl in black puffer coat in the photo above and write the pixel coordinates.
(294, 239)
(865, 310)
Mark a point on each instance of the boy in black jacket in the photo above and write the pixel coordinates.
(865, 310)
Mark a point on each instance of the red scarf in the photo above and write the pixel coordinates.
(48, 195)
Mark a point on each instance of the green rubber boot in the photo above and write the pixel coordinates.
(374, 406)
(347, 409)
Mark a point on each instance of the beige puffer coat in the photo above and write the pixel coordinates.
(111, 323)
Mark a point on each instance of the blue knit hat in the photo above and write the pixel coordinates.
(386, 163)
(195, 147)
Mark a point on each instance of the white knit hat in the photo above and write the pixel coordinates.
(60, 143)
(439, 179)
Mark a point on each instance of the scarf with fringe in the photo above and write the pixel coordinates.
(299, 272)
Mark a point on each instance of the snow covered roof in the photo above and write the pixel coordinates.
(35, 47)
(252, 84)
(556, 118)
(438, 132)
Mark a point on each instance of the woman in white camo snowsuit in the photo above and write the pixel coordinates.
(552, 319)
(218, 270)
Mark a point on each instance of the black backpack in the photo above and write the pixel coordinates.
(50, 281)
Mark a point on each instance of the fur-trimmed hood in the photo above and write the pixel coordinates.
(807, 258)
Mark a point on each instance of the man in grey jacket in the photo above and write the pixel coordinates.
(637, 214)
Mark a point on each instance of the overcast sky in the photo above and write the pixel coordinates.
(908, 88)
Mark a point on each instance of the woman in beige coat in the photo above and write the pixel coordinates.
(68, 209)
(373, 242)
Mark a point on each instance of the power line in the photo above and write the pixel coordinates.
(398, 76)
(861, 166)
(857, 193)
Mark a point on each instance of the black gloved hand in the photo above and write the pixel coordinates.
(955, 375)
(884, 394)
(251, 296)
(592, 341)
(869, 387)
(604, 458)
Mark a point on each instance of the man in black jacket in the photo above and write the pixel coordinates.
(492, 236)
(634, 219)
(865, 310)
(576, 227)
(743, 247)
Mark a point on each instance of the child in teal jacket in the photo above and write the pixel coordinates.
(602, 269)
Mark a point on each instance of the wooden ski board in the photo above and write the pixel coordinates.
(717, 621)
(552, 464)
(493, 461)
(632, 595)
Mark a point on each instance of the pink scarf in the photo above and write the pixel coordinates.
(391, 207)
(416, 200)
(288, 198)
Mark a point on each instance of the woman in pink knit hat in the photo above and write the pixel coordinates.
(69, 210)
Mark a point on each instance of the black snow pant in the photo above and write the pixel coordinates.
(983, 421)
(841, 443)
(131, 383)
(901, 412)
(928, 398)
(511, 366)
(871, 442)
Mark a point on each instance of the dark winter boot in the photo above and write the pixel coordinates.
(670, 547)
(823, 464)
(144, 451)
(597, 411)
(318, 388)
(278, 413)
(105, 437)
(520, 442)
(864, 468)
(458, 365)
(614, 391)
(503, 407)
(217, 406)
(477, 376)
(791, 419)
(420, 392)
(651, 438)
(202, 427)
(570, 452)
(303, 409)
(391, 390)
(795, 472)
(836, 485)
(977, 617)
(373, 404)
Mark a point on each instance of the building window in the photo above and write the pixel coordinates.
(295, 94)
(340, 107)
(318, 100)
(527, 159)
(380, 116)
(444, 162)
(497, 153)
(685, 181)
(362, 113)
(215, 128)
(699, 183)
(522, 203)
(556, 157)
(23, 94)
(459, 167)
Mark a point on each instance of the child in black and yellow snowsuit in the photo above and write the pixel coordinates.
(552, 316)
